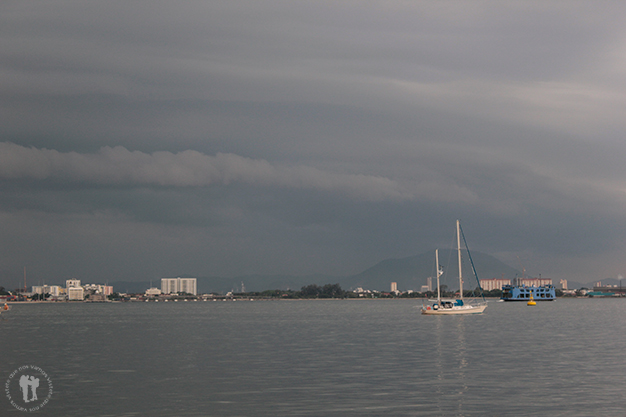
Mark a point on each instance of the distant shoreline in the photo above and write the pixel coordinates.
(226, 299)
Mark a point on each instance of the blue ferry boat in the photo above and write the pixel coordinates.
(522, 293)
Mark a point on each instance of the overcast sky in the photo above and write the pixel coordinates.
(146, 139)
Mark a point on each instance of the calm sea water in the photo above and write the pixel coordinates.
(321, 358)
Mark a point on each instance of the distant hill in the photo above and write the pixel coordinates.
(411, 273)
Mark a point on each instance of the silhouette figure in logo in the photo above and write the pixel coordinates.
(34, 384)
(26, 382)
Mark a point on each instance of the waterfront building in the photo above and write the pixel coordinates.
(563, 283)
(609, 289)
(75, 293)
(429, 284)
(99, 289)
(53, 290)
(72, 283)
(151, 292)
(100, 298)
(394, 287)
(176, 285)
(494, 283)
(362, 292)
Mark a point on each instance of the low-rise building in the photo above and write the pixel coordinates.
(612, 289)
(96, 297)
(152, 292)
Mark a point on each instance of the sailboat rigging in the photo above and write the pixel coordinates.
(458, 305)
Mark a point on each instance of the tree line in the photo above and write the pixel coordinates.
(308, 291)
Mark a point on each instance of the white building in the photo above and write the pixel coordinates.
(361, 292)
(494, 283)
(535, 282)
(176, 285)
(72, 283)
(394, 287)
(152, 292)
(75, 293)
(563, 283)
(99, 289)
(53, 290)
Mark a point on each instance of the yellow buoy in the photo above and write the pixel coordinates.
(532, 301)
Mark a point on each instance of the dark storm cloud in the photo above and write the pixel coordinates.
(189, 168)
(141, 139)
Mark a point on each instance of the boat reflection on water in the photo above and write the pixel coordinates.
(451, 362)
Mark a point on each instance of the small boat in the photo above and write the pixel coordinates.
(458, 305)
(4, 308)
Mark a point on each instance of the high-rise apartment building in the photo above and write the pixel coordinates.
(176, 285)
(494, 283)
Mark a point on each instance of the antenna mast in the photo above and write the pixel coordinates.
(458, 245)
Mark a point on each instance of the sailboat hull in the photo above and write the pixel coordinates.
(465, 309)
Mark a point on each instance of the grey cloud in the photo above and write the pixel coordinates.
(119, 166)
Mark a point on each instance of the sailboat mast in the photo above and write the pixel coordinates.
(458, 245)
(438, 274)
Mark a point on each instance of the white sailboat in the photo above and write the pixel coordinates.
(458, 305)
